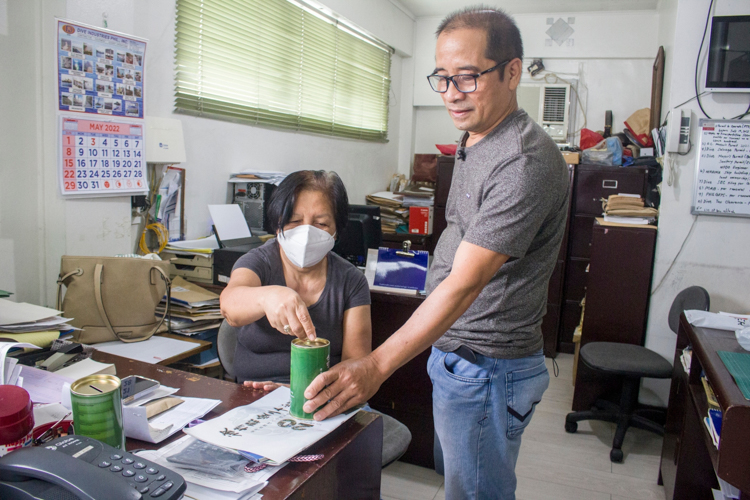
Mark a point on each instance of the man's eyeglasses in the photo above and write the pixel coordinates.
(463, 83)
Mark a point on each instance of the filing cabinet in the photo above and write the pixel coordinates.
(591, 185)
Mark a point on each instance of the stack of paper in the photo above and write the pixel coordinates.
(266, 428)
(392, 211)
(202, 246)
(258, 176)
(24, 322)
(628, 209)
(194, 309)
(418, 196)
(231, 483)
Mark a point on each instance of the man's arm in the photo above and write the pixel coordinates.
(354, 381)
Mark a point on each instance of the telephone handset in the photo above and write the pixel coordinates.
(82, 468)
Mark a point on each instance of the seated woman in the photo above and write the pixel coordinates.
(295, 286)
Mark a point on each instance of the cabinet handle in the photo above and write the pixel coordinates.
(609, 184)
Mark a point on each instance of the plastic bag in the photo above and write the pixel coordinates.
(589, 138)
(607, 153)
(208, 458)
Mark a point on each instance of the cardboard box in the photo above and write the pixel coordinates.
(571, 158)
(420, 220)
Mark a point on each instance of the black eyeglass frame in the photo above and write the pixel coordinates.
(451, 79)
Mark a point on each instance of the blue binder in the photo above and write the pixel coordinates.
(401, 269)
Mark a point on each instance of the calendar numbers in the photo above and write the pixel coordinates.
(95, 159)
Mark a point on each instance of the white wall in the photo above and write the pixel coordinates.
(716, 254)
(610, 53)
(38, 226)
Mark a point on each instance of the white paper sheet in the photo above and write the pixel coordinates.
(243, 482)
(21, 312)
(161, 392)
(151, 351)
(229, 222)
(4, 348)
(49, 414)
(266, 428)
(707, 319)
(209, 243)
(163, 425)
(44, 386)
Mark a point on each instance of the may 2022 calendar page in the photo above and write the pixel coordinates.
(101, 157)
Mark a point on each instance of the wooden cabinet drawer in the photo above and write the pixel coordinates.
(575, 279)
(594, 183)
(554, 290)
(580, 236)
(444, 177)
(569, 319)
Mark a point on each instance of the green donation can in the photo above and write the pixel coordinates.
(97, 409)
(310, 358)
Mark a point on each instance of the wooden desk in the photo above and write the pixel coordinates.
(350, 469)
(201, 345)
(407, 394)
(689, 460)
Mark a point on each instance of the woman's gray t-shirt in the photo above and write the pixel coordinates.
(263, 353)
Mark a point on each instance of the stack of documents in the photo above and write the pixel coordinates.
(392, 211)
(418, 196)
(24, 322)
(258, 176)
(628, 209)
(201, 246)
(212, 458)
(194, 309)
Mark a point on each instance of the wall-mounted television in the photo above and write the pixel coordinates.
(728, 67)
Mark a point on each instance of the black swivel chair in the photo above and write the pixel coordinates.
(632, 362)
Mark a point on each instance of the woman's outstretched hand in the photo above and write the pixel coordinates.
(287, 312)
(267, 386)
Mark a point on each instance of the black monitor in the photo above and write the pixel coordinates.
(363, 231)
(729, 54)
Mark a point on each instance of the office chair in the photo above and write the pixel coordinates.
(631, 363)
(226, 343)
(396, 436)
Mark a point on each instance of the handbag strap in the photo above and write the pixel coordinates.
(61, 281)
(100, 303)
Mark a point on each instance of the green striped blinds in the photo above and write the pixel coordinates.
(278, 64)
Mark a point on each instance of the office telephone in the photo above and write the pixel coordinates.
(82, 468)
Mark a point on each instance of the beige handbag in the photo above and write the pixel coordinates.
(113, 298)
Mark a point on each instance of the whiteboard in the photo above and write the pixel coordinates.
(722, 172)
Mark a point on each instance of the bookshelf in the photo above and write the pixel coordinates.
(690, 463)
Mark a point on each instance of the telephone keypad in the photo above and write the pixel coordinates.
(141, 474)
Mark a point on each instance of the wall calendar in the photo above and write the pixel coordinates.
(100, 157)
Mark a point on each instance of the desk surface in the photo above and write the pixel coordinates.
(350, 469)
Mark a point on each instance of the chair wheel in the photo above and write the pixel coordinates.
(571, 427)
(616, 455)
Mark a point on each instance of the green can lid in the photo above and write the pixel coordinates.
(95, 385)
(318, 342)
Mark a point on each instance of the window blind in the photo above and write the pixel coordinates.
(278, 64)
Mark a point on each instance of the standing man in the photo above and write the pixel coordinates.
(488, 283)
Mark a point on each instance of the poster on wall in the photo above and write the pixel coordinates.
(99, 71)
(101, 157)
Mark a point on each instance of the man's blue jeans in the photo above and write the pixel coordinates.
(480, 411)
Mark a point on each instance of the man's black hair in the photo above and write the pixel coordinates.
(503, 37)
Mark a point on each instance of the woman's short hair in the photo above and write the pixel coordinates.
(503, 37)
(281, 204)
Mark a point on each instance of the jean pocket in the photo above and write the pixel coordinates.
(524, 389)
(461, 370)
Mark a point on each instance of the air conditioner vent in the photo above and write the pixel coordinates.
(555, 101)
